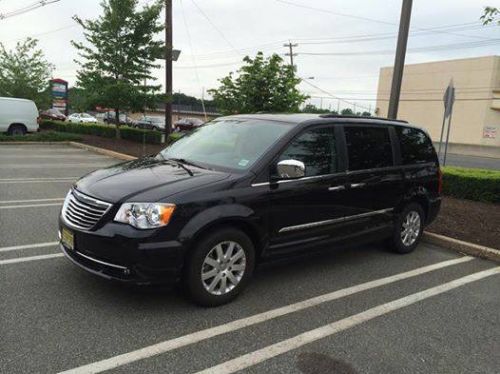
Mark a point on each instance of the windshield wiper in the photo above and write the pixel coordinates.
(180, 163)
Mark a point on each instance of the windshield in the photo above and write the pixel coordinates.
(231, 143)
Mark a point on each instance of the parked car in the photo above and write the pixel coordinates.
(82, 118)
(18, 116)
(187, 124)
(151, 123)
(110, 117)
(52, 114)
(249, 188)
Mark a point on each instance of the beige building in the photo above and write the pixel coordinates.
(475, 128)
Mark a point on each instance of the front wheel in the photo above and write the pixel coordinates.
(408, 229)
(220, 267)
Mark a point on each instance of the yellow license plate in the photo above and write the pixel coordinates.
(67, 238)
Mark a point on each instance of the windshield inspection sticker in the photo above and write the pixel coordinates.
(243, 162)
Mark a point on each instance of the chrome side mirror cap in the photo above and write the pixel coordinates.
(291, 169)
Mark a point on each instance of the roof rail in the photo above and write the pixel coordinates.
(333, 115)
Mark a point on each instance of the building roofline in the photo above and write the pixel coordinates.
(440, 61)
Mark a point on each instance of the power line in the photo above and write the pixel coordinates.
(27, 8)
(352, 16)
(216, 28)
(443, 47)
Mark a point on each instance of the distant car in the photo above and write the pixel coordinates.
(151, 123)
(18, 116)
(187, 124)
(110, 117)
(52, 114)
(82, 118)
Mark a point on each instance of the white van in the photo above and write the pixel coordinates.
(18, 116)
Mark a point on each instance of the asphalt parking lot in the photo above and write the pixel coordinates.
(361, 310)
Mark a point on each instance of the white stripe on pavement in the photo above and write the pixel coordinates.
(28, 246)
(201, 335)
(31, 258)
(34, 179)
(28, 206)
(256, 357)
(31, 200)
(38, 156)
(58, 166)
(41, 181)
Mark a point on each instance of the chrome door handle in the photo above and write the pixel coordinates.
(336, 188)
(357, 185)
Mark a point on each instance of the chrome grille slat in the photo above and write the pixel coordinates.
(73, 206)
(82, 211)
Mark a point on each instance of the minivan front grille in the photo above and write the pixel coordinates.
(82, 211)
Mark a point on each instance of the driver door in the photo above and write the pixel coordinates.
(308, 208)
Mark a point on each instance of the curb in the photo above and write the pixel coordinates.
(462, 247)
(35, 143)
(102, 151)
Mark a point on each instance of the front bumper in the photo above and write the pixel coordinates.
(120, 252)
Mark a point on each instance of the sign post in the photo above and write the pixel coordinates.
(59, 91)
(449, 100)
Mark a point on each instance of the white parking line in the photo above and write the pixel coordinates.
(28, 246)
(37, 180)
(201, 335)
(34, 179)
(28, 206)
(38, 156)
(31, 258)
(57, 166)
(308, 337)
(31, 200)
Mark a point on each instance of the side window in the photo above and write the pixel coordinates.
(416, 147)
(316, 149)
(368, 147)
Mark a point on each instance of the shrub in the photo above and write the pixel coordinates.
(472, 184)
(46, 136)
(106, 131)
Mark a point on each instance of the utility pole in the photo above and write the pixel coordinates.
(399, 63)
(290, 46)
(168, 68)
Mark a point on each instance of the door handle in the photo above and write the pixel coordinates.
(336, 188)
(357, 185)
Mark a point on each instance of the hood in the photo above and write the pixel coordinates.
(147, 179)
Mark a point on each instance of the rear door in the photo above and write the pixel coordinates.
(311, 208)
(375, 183)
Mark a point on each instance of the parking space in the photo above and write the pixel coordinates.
(317, 314)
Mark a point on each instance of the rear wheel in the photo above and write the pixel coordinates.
(17, 129)
(408, 229)
(220, 267)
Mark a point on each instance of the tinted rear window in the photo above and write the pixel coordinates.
(416, 147)
(368, 147)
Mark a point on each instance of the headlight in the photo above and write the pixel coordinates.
(145, 215)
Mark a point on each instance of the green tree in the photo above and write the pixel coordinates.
(261, 85)
(311, 108)
(119, 54)
(347, 112)
(78, 100)
(24, 73)
(490, 14)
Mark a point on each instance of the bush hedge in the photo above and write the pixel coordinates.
(107, 131)
(472, 184)
(45, 136)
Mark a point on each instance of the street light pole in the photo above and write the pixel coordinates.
(399, 63)
(168, 67)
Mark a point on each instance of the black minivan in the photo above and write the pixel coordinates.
(248, 188)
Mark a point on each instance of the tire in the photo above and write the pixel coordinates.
(17, 129)
(206, 259)
(412, 220)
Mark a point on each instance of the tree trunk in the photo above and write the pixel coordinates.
(117, 123)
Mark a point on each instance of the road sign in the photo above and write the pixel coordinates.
(449, 99)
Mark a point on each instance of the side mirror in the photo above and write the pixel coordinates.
(291, 169)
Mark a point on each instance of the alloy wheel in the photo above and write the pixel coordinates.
(410, 228)
(223, 268)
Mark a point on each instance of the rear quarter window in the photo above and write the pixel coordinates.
(416, 147)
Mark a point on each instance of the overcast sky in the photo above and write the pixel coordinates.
(218, 36)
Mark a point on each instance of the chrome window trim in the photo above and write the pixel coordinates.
(298, 179)
(331, 221)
